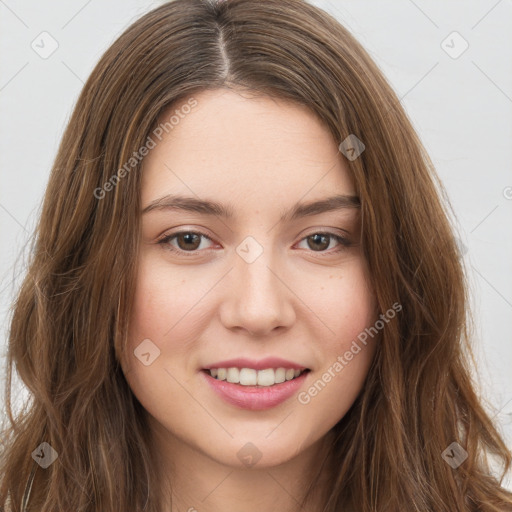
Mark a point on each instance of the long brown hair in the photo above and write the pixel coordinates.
(71, 317)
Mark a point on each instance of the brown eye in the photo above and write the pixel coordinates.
(188, 241)
(319, 241)
(184, 242)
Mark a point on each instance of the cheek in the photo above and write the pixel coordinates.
(164, 320)
(168, 307)
(355, 312)
(347, 307)
(344, 301)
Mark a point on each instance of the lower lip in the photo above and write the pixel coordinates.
(252, 397)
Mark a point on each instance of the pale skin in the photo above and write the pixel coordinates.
(304, 299)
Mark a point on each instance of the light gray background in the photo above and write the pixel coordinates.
(461, 108)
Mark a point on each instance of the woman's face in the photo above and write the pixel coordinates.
(271, 280)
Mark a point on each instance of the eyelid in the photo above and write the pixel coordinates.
(342, 239)
(327, 231)
(311, 231)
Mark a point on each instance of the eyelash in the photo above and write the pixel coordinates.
(165, 241)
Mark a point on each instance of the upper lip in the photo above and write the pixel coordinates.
(261, 364)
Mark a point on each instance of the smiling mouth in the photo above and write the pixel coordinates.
(255, 378)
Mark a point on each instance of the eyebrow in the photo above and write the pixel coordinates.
(208, 207)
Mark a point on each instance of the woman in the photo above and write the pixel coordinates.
(245, 293)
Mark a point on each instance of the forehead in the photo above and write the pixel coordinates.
(252, 150)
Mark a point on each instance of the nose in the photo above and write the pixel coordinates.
(258, 298)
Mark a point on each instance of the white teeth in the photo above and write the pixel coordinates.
(252, 377)
(280, 375)
(233, 375)
(266, 377)
(248, 377)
